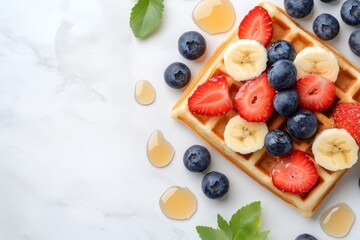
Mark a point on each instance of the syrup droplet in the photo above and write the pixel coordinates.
(214, 16)
(159, 151)
(337, 220)
(144, 92)
(178, 203)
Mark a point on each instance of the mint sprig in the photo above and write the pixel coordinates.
(146, 16)
(244, 225)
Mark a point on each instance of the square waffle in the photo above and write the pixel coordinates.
(258, 165)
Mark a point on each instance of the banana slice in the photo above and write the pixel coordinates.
(245, 59)
(243, 136)
(335, 149)
(317, 60)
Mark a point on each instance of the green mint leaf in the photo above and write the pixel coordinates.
(146, 16)
(224, 225)
(258, 236)
(209, 233)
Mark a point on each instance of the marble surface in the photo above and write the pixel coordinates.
(72, 138)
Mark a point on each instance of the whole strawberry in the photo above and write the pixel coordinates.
(347, 116)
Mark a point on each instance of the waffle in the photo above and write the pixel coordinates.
(258, 165)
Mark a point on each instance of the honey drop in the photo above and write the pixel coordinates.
(144, 92)
(159, 151)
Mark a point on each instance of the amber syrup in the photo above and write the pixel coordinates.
(144, 92)
(159, 151)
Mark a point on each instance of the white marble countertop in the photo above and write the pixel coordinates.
(72, 138)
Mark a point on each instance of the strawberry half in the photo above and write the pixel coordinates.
(315, 92)
(257, 25)
(347, 116)
(254, 100)
(211, 98)
(295, 173)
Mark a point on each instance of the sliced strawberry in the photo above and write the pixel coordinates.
(315, 92)
(256, 25)
(211, 98)
(254, 100)
(347, 116)
(295, 173)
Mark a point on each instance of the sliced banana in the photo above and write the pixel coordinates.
(245, 59)
(317, 60)
(243, 136)
(335, 149)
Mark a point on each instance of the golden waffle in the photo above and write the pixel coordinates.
(258, 165)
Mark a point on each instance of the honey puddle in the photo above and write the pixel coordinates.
(144, 92)
(159, 151)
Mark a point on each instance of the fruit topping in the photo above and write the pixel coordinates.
(280, 49)
(254, 100)
(350, 12)
(282, 75)
(306, 236)
(298, 8)
(335, 149)
(211, 98)
(278, 142)
(286, 102)
(354, 42)
(326, 26)
(315, 92)
(303, 124)
(347, 116)
(191, 45)
(294, 173)
(215, 185)
(256, 25)
(197, 158)
(177, 75)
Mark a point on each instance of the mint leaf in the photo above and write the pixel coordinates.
(223, 225)
(146, 16)
(209, 233)
(258, 236)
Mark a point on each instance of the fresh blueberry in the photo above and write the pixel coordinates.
(280, 49)
(215, 185)
(282, 74)
(326, 26)
(305, 236)
(350, 12)
(298, 8)
(196, 158)
(286, 102)
(354, 42)
(191, 45)
(177, 75)
(302, 124)
(328, 1)
(278, 142)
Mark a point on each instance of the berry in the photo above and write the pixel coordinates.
(347, 116)
(191, 45)
(177, 75)
(282, 74)
(298, 8)
(305, 236)
(350, 12)
(328, 1)
(254, 100)
(286, 102)
(326, 26)
(315, 92)
(256, 25)
(302, 124)
(278, 142)
(354, 42)
(215, 185)
(280, 49)
(196, 158)
(211, 98)
(295, 173)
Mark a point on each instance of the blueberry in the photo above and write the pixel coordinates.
(350, 12)
(326, 26)
(354, 42)
(196, 158)
(280, 49)
(215, 185)
(328, 1)
(177, 75)
(302, 124)
(305, 236)
(298, 8)
(286, 102)
(282, 74)
(278, 142)
(191, 45)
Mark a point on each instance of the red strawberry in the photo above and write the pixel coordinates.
(256, 25)
(254, 100)
(295, 173)
(347, 116)
(211, 98)
(315, 92)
